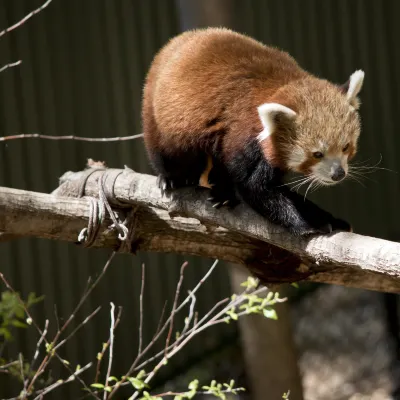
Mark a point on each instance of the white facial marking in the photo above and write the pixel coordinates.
(267, 112)
(355, 85)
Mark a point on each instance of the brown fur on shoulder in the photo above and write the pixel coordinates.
(208, 81)
(206, 84)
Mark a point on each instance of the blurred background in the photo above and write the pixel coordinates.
(84, 63)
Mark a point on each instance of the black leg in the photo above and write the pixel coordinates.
(260, 185)
(178, 170)
(222, 191)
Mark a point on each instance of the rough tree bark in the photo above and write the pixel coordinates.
(186, 223)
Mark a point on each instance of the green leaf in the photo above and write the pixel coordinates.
(270, 313)
(194, 384)
(137, 383)
(97, 385)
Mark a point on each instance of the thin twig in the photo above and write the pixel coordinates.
(56, 317)
(179, 394)
(141, 311)
(50, 354)
(21, 365)
(23, 20)
(9, 287)
(5, 366)
(69, 137)
(84, 322)
(105, 347)
(62, 382)
(189, 318)
(161, 319)
(10, 65)
(173, 312)
(193, 332)
(110, 357)
(160, 331)
(39, 343)
(183, 334)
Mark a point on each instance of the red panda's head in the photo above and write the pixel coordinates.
(312, 127)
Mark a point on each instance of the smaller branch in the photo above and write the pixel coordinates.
(10, 364)
(84, 322)
(189, 318)
(195, 331)
(21, 365)
(110, 359)
(105, 347)
(42, 393)
(161, 319)
(173, 312)
(39, 343)
(23, 20)
(170, 394)
(49, 355)
(69, 137)
(160, 331)
(56, 317)
(10, 65)
(9, 287)
(141, 311)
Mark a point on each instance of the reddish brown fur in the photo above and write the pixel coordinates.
(208, 83)
(191, 80)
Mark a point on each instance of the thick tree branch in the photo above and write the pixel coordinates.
(185, 223)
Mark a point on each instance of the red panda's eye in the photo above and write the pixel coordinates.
(345, 148)
(318, 154)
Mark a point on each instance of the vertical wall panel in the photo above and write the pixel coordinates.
(83, 69)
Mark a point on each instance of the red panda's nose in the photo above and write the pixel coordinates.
(338, 175)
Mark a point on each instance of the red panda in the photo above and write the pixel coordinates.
(218, 101)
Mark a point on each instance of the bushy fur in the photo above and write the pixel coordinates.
(200, 101)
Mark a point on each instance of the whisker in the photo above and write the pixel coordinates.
(360, 175)
(356, 180)
(309, 187)
(298, 186)
(303, 179)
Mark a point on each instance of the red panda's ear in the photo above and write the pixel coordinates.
(268, 113)
(352, 87)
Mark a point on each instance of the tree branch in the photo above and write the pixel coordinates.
(185, 223)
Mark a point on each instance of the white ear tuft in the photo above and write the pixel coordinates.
(355, 84)
(267, 113)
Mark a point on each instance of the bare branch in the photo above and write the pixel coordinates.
(62, 382)
(141, 311)
(185, 223)
(111, 348)
(173, 312)
(100, 355)
(23, 20)
(66, 137)
(10, 65)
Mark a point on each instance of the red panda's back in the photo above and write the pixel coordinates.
(200, 74)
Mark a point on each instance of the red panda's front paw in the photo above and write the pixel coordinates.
(220, 198)
(166, 184)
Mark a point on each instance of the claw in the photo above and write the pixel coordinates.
(225, 203)
(217, 205)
